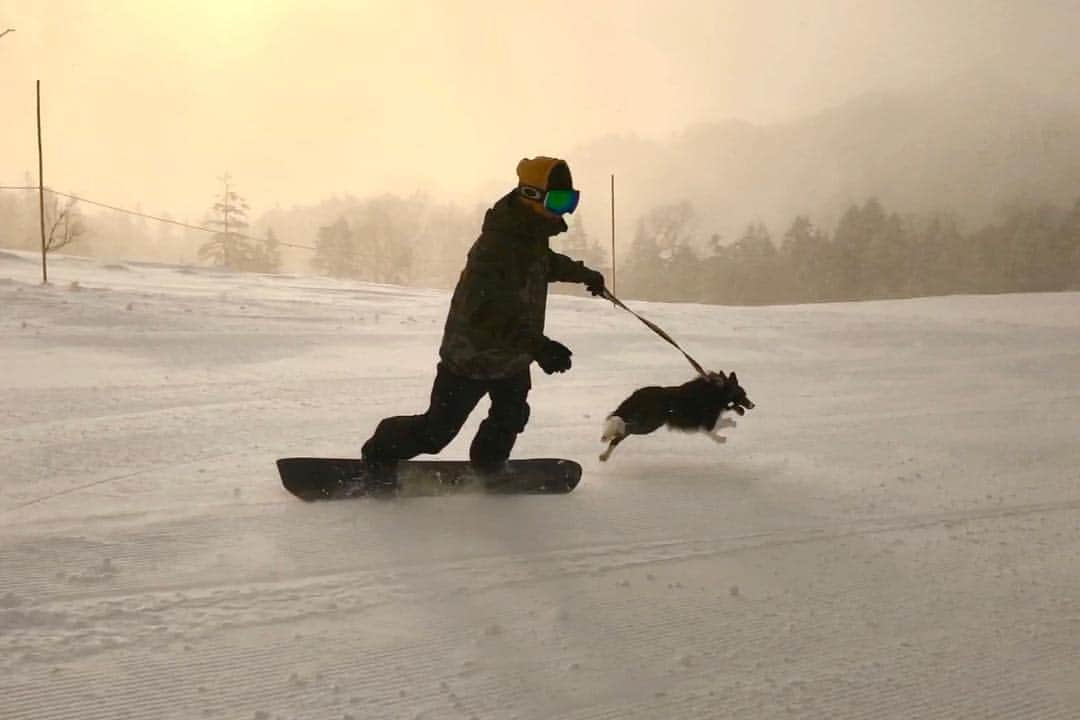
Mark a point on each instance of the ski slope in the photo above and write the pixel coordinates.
(894, 531)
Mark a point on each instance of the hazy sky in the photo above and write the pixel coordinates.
(150, 101)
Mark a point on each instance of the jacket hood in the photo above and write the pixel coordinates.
(509, 215)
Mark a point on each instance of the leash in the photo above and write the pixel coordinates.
(656, 329)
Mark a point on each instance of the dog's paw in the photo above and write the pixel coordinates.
(727, 423)
(719, 438)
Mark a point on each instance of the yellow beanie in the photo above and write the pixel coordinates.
(544, 173)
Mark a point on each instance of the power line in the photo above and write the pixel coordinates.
(170, 221)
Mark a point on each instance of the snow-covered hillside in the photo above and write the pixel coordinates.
(894, 531)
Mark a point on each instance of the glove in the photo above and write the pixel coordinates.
(552, 357)
(594, 281)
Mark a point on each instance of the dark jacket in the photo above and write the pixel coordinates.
(496, 318)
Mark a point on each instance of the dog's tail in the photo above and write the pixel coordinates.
(614, 427)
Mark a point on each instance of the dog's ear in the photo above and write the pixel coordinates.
(718, 377)
(733, 379)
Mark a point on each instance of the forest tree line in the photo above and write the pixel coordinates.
(871, 253)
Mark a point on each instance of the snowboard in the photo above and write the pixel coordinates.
(312, 479)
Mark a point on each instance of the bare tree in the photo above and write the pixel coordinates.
(65, 223)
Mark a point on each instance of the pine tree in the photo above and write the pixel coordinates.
(756, 257)
(887, 259)
(1070, 238)
(637, 274)
(852, 240)
(229, 247)
(336, 252)
(386, 229)
(806, 259)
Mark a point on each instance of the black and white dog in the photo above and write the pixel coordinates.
(694, 406)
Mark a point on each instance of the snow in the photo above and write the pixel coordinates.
(892, 533)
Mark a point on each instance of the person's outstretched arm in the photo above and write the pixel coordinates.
(563, 269)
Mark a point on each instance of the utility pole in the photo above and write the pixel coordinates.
(225, 240)
(41, 191)
(613, 233)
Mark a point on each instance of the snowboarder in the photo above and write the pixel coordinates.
(495, 325)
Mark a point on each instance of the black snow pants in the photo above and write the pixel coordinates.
(453, 398)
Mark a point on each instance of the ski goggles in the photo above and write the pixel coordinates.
(559, 202)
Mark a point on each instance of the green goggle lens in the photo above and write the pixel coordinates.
(562, 201)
